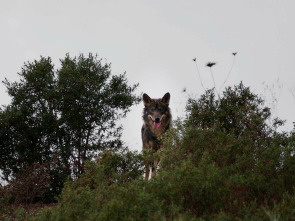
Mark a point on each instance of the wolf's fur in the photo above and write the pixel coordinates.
(157, 118)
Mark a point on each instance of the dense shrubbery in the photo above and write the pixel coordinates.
(60, 118)
(224, 162)
(29, 185)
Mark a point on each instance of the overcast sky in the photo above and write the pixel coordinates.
(155, 42)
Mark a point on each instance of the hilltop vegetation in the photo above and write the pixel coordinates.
(225, 161)
(56, 121)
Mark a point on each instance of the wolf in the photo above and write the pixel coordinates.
(156, 121)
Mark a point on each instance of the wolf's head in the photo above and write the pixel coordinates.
(156, 111)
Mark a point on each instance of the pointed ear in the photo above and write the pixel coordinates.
(146, 100)
(166, 98)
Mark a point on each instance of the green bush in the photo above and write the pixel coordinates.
(111, 189)
(217, 172)
(61, 117)
(209, 170)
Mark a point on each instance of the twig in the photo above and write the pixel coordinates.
(210, 65)
(195, 60)
(293, 95)
(234, 54)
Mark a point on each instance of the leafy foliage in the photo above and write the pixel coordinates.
(110, 190)
(210, 170)
(239, 112)
(30, 184)
(63, 116)
(225, 161)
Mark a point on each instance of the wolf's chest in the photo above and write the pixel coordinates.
(158, 131)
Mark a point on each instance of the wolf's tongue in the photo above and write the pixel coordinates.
(157, 125)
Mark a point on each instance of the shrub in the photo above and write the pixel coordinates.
(30, 184)
(209, 170)
(62, 116)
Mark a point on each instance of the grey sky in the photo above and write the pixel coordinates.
(155, 42)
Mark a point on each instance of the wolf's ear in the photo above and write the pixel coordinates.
(166, 98)
(146, 100)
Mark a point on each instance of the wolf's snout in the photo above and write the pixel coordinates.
(156, 121)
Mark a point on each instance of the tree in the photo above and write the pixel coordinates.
(62, 116)
(96, 101)
(238, 112)
(29, 123)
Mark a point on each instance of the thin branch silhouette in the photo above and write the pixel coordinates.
(210, 65)
(234, 54)
(195, 60)
(293, 95)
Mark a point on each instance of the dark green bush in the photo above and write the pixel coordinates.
(224, 173)
(210, 169)
(62, 117)
(111, 189)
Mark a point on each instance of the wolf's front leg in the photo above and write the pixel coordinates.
(147, 171)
